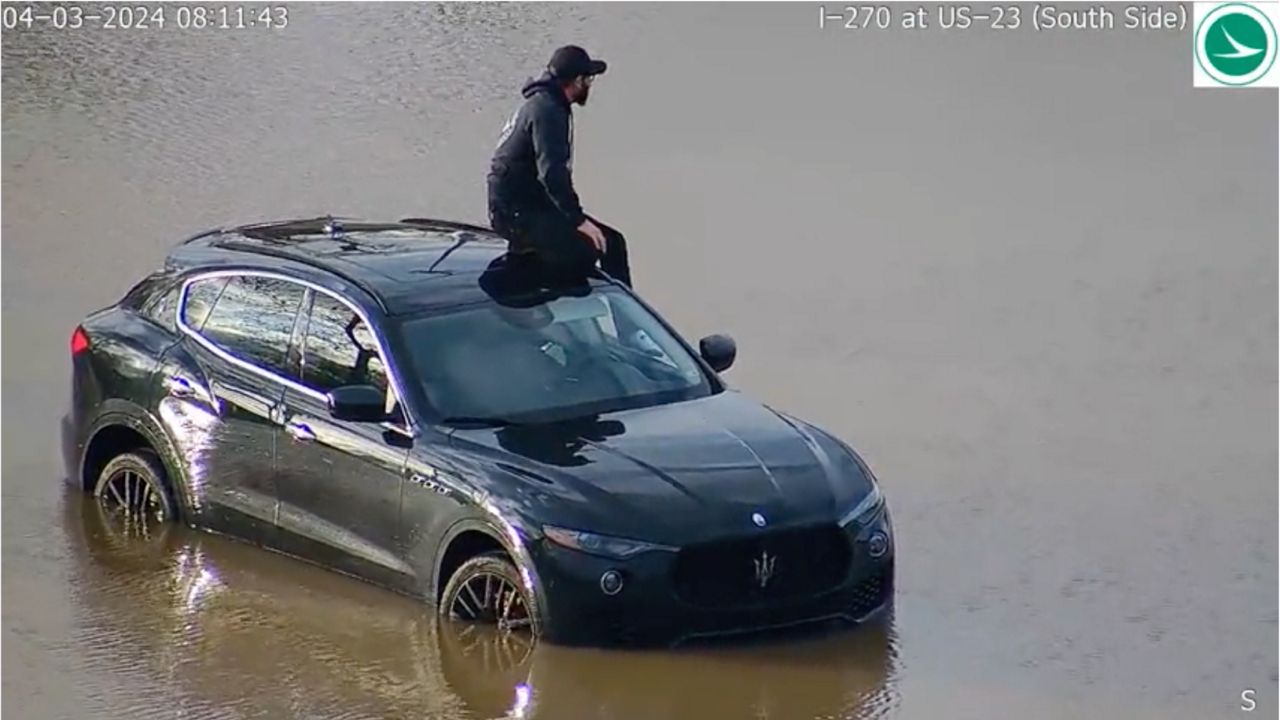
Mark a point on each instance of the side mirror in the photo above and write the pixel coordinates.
(719, 351)
(358, 403)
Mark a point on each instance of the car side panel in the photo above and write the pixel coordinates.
(435, 503)
(340, 485)
(225, 421)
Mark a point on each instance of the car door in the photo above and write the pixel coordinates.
(224, 391)
(340, 482)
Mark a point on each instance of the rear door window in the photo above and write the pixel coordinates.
(253, 320)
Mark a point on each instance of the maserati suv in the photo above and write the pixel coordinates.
(407, 403)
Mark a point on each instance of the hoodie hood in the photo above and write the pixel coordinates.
(544, 83)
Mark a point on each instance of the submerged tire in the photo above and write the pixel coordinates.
(134, 486)
(487, 589)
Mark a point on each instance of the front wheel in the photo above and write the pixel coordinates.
(487, 590)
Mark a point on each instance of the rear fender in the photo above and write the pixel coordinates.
(118, 412)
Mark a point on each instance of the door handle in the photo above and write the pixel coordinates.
(179, 386)
(300, 431)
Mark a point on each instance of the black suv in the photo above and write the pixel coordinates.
(406, 403)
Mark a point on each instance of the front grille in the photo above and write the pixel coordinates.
(771, 567)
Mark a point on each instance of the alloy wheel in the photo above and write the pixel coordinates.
(491, 598)
(133, 496)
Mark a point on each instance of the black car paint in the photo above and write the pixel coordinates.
(647, 473)
(340, 488)
(237, 463)
(384, 503)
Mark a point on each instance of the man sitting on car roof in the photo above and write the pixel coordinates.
(532, 201)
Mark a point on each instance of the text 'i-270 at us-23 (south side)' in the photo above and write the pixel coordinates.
(1040, 17)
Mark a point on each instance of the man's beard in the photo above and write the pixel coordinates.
(582, 95)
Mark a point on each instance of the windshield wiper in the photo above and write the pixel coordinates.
(463, 420)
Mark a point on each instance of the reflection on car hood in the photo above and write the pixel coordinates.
(671, 474)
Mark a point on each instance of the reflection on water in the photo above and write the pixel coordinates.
(211, 628)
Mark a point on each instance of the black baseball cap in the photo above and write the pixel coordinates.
(571, 61)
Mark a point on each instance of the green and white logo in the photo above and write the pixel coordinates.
(1235, 44)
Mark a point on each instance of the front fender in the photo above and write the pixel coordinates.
(491, 523)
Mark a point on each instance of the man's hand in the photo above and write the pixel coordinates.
(593, 234)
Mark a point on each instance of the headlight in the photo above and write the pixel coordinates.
(594, 544)
(868, 505)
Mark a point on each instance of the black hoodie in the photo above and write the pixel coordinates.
(532, 167)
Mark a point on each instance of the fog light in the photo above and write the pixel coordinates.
(611, 582)
(878, 545)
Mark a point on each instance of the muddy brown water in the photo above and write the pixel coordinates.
(1032, 277)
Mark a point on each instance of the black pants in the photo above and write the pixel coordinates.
(559, 246)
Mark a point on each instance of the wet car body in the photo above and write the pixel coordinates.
(655, 521)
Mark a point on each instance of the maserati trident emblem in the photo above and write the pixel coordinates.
(764, 567)
(758, 519)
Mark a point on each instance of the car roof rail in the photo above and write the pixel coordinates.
(307, 260)
(446, 225)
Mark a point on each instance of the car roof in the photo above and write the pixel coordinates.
(407, 266)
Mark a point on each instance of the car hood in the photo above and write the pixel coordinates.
(672, 474)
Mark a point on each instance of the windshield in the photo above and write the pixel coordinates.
(566, 357)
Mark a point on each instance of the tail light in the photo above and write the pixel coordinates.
(79, 341)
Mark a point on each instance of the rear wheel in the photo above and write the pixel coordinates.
(487, 590)
(132, 487)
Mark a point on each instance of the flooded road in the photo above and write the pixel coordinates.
(1031, 277)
